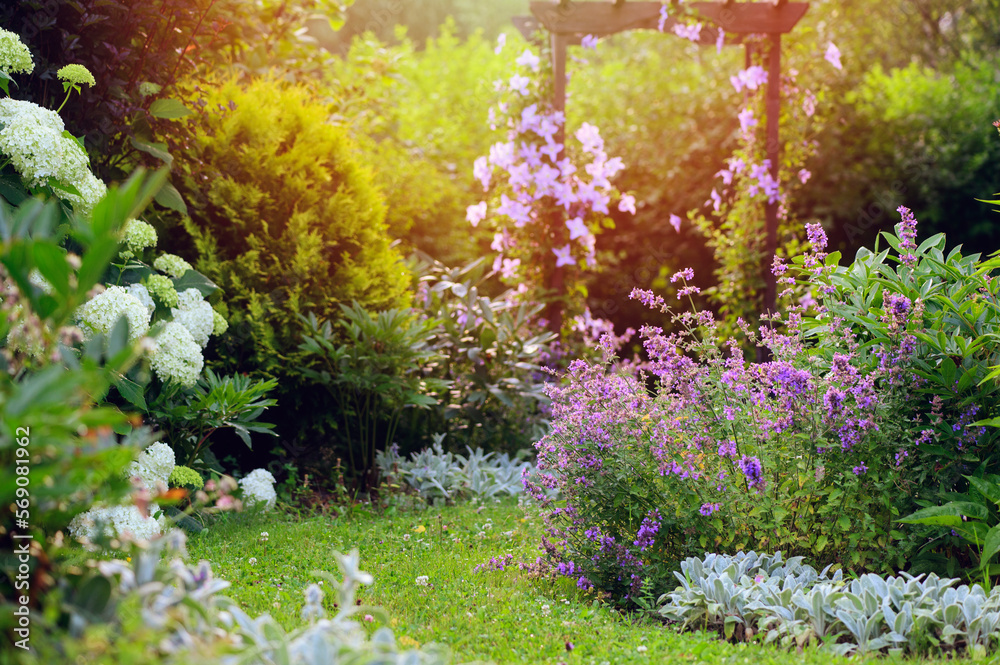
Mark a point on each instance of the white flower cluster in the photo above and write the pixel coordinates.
(258, 486)
(177, 357)
(100, 314)
(141, 293)
(32, 137)
(116, 522)
(137, 236)
(153, 466)
(171, 264)
(14, 55)
(195, 314)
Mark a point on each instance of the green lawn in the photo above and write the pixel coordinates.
(499, 616)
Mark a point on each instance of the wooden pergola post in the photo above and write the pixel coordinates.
(568, 22)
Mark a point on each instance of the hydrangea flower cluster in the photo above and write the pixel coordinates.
(258, 487)
(195, 314)
(171, 264)
(183, 476)
(162, 290)
(137, 236)
(76, 75)
(32, 138)
(99, 315)
(178, 356)
(115, 522)
(14, 55)
(153, 466)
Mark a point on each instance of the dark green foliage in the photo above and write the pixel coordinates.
(284, 217)
(371, 378)
(491, 353)
(126, 44)
(189, 417)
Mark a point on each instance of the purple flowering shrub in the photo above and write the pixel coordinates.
(931, 320)
(867, 409)
(698, 448)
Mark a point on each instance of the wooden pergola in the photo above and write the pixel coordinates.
(569, 22)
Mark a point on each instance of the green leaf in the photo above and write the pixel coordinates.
(193, 279)
(946, 515)
(988, 489)
(169, 197)
(158, 150)
(169, 109)
(132, 392)
(13, 190)
(487, 338)
(991, 545)
(51, 262)
(93, 595)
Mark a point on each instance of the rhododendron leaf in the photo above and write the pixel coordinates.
(169, 197)
(168, 109)
(192, 279)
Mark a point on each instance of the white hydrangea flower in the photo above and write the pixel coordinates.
(92, 190)
(32, 137)
(116, 521)
(101, 313)
(14, 55)
(189, 298)
(219, 324)
(178, 357)
(137, 236)
(153, 466)
(33, 140)
(141, 294)
(258, 486)
(195, 314)
(171, 264)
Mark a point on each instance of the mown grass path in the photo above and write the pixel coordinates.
(499, 616)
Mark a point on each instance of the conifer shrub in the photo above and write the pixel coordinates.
(283, 217)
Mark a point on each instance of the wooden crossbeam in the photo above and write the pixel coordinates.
(605, 18)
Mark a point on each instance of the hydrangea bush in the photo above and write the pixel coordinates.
(258, 488)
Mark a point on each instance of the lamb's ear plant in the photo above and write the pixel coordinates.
(793, 604)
